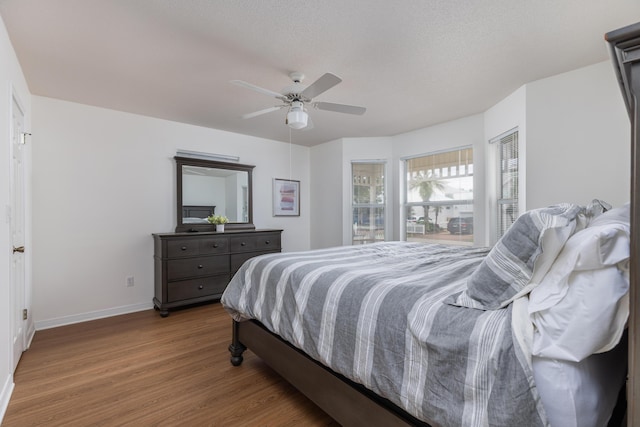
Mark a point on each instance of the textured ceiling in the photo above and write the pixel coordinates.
(412, 63)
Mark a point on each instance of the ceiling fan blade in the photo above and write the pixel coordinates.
(258, 89)
(309, 125)
(340, 108)
(324, 83)
(261, 112)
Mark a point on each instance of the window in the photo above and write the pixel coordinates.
(439, 197)
(368, 202)
(507, 191)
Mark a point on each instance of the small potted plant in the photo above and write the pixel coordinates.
(219, 221)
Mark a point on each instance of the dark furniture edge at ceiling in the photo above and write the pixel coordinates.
(625, 54)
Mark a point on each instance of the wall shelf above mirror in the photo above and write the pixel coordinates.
(206, 187)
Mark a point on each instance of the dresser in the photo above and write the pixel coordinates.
(195, 267)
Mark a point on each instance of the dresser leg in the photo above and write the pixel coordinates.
(164, 312)
(236, 348)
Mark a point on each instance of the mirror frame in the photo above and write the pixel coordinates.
(187, 161)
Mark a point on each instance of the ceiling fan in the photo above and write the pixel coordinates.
(297, 96)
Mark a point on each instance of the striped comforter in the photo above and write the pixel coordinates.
(376, 314)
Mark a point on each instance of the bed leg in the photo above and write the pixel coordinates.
(236, 348)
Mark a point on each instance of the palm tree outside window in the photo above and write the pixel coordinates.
(438, 203)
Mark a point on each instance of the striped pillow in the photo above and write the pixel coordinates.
(534, 239)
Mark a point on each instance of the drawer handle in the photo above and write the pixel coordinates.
(200, 266)
(184, 248)
(200, 287)
(266, 242)
(243, 244)
(215, 245)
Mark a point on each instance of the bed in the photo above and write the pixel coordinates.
(194, 214)
(446, 304)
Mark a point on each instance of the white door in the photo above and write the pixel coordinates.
(17, 214)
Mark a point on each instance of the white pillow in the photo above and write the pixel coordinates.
(581, 305)
(617, 215)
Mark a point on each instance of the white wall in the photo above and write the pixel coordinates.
(506, 115)
(574, 137)
(326, 187)
(11, 81)
(578, 136)
(105, 181)
(204, 191)
(331, 169)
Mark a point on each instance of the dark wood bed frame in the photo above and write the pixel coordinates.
(350, 404)
(625, 52)
(197, 211)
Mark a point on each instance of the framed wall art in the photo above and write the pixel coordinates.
(286, 197)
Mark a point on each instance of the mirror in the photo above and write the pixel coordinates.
(207, 187)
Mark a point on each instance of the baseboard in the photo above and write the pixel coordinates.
(31, 331)
(5, 396)
(93, 315)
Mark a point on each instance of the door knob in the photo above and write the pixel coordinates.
(18, 249)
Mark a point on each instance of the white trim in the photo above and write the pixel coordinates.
(431, 153)
(92, 315)
(30, 333)
(15, 102)
(207, 156)
(5, 396)
(404, 189)
(370, 161)
(503, 134)
(492, 181)
(386, 205)
(493, 175)
(402, 197)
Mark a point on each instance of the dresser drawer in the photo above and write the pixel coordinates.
(243, 243)
(214, 245)
(196, 288)
(268, 242)
(199, 266)
(261, 242)
(182, 247)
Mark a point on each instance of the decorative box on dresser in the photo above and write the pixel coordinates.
(196, 267)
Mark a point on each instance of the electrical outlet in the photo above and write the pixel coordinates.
(130, 281)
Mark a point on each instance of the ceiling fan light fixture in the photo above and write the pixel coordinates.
(295, 97)
(296, 117)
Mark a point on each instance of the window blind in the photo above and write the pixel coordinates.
(508, 182)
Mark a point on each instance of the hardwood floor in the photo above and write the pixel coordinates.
(141, 369)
